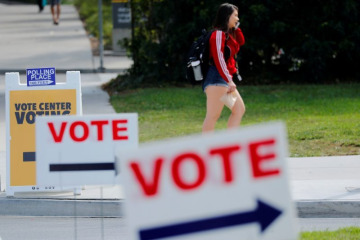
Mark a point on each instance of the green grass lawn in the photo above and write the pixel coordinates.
(349, 233)
(322, 120)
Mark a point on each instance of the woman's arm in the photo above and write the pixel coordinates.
(217, 45)
(239, 36)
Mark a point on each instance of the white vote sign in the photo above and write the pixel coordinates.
(229, 185)
(80, 150)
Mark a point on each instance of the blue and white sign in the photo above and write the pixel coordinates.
(40, 77)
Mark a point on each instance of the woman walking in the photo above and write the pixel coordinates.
(224, 44)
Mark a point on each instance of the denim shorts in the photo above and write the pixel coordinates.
(54, 2)
(213, 78)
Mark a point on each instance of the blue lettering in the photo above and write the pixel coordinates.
(17, 106)
(20, 117)
(30, 117)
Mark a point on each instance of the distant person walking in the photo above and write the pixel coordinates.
(41, 5)
(55, 11)
(224, 44)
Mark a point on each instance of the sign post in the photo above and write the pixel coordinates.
(23, 105)
(228, 185)
(101, 46)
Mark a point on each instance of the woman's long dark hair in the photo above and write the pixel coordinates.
(223, 15)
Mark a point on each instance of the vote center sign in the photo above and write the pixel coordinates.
(229, 185)
(23, 106)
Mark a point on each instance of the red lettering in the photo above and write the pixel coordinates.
(150, 187)
(57, 137)
(177, 173)
(225, 154)
(257, 159)
(116, 129)
(99, 124)
(85, 131)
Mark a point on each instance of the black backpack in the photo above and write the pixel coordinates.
(197, 64)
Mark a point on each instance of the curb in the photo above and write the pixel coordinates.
(61, 208)
(114, 208)
(328, 209)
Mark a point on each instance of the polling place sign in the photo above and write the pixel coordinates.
(80, 150)
(40, 76)
(23, 105)
(229, 185)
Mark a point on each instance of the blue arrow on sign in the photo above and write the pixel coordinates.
(264, 215)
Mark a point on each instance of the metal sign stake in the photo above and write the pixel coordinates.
(101, 47)
(102, 213)
(75, 215)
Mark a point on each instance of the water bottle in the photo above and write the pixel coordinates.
(197, 70)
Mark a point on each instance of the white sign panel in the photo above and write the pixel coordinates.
(229, 185)
(80, 150)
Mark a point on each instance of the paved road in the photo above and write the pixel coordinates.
(60, 228)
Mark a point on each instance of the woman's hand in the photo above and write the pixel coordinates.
(232, 86)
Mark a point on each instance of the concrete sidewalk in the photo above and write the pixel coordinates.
(29, 39)
(326, 186)
(321, 186)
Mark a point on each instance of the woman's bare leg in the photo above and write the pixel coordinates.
(53, 13)
(237, 112)
(58, 12)
(214, 106)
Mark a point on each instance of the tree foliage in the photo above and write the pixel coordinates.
(292, 40)
(89, 13)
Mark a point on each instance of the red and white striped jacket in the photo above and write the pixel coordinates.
(217, 46)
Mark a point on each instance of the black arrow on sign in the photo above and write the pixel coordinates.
(70, 167)
(264, 215)
(74, 167)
